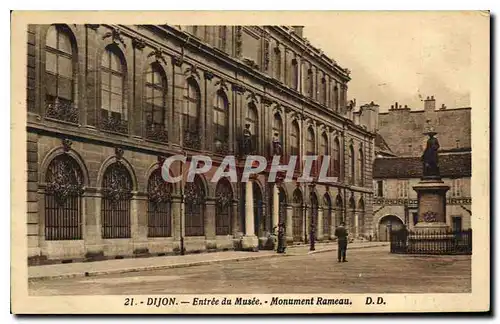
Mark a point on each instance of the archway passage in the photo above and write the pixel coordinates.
(282, 206)
(258, 211)
(386, 223)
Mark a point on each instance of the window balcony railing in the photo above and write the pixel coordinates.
(192, 139)
(156, 132)
(61, 109)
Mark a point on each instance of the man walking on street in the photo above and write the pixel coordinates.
(341, 234)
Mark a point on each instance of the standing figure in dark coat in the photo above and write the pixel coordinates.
(430, 156)
(341, 234)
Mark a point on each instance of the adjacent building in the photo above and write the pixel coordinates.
(397, 167)
(108, 103)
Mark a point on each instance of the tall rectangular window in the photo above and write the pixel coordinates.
(380, 188)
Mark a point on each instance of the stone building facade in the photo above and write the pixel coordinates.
(108, 103)
(397, 167)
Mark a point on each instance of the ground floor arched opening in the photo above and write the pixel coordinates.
(387, 223)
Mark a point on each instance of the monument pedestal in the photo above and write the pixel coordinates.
(431, 233)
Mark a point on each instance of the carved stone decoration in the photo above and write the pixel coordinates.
(430, 217)
(238, 88)
(118, 153)
(222, 85)
(177, 60)
(158, 189)
(64, 179)
(64, 110)
(266, 55)
(238, 40)
(209, 75)
(158, 54)
(251, 63)
(117, 184)
(66, 143)
(252, 97)
(192, 71)
(116, 36)
(266, 101)
(138, 43)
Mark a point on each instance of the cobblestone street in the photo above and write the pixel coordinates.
(371, 270)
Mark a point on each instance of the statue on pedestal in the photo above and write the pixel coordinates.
(277, 147)
(247, 140)
(430, 156)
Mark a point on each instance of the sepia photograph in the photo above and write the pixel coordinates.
(318, 164)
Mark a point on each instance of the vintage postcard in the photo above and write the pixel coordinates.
(250, 162)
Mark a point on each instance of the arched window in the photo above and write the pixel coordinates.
(361, 217)
(351, 219)
(336, 98)
(221, 122)
(115, 204)
(224, 199)
(277, 63)
(361, 168)
(323, 151)
(310, 83)
(113, 112)
(295, 144)
(155, 105)
(63, 203)
(295, 75)
(327, 216)
(159, 206)
(311, 148)
(352, 164)
(60, 75)
(323, 91)
(194, 205)
(336, 158)
(191, 115)
(278, 126)
(253, 120)
(297, 218)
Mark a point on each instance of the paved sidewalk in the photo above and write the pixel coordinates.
(82, 269)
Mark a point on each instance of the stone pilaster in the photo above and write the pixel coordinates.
(139, 223)
(92, 229)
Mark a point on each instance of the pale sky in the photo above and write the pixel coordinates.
(399, 56)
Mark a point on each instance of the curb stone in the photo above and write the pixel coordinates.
(184, 265)
(150, 268)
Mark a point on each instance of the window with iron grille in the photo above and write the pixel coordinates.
(194, 206)
(155, 103)
(115, 204)
(60, 71)
(63, 203)
(314, 213)
(159, 206)
(224, 198)
(339, 207)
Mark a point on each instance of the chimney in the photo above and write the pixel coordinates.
(430, 104)
(298, 30)
(443, 107)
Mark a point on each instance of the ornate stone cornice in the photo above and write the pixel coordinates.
(92, 26)
(238, 88)
(177, 60)
(209, 75)
(266, 101)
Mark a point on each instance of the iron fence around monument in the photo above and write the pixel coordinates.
(438, 242)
